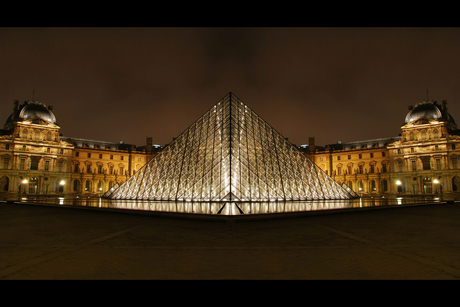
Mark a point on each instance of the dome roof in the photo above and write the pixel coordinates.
(35, 109)
(431, 110)
(29, 110)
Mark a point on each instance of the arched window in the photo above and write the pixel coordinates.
(4, 184)
(455, 184)
(411, 136)
(37, 135)
(76, 185)
(384, 185)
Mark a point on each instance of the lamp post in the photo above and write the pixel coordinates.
(24, 182)
(436, 181)
(61, 186)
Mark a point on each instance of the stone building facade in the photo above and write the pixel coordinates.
(37, 160)
(422, 160)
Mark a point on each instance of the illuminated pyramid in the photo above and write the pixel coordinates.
(230, 154)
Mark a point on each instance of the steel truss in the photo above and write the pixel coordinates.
(230, 154)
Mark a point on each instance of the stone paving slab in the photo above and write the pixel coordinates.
(56, 243)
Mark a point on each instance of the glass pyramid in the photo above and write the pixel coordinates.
(230, 154)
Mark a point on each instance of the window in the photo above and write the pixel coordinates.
(99, 169)
(34, 163)
(349, 157)
(47, 165)
(372, 154)
(88, 168)
(414, 165)
(412, 150)
(111, 157)
(384, 167)
(426, 163)
(411, 136)
(339, 170)
(76, 168)
(371, 168)
(139, 159)
(360, 156)
(454, 163)
(383, 154)
(384, 185)
(60, 166)
(438, 163)
(22, 163)
(400, 166)
(361, 169)
(121, 170)
(100, 156)
(453, 146)
(338, 157)
(6, 161)
(7, 146)
(77, 154)
(48, 150)
(349, 169)
(121, 157)
(89, 155)
(111, 169)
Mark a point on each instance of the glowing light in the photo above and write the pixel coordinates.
(435, 181)
(398, 182)
(62, 182)
(25, 181)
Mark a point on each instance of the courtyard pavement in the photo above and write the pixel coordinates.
(418, 242)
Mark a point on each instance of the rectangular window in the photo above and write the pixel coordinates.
(111, 157)
(121, 170)
(349, 157)
(414, 165)
(76, 168)
(77, 154)
(34, 163)
(371, 168)
(6, 161)
(22, 164)
(454, 163)
(372, 154)
(338, 157)
(47, 165)
(426, 163)
(360, 156)
(361, 168)
(438, 163)
(349, 170)
(400, 166)
(60, 166)
(100, 156)
(339, 171)
(89, 155)
(121, 157)
(384, 168)
(99, 169)
(383, 154)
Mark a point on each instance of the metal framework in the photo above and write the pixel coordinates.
(230, 154)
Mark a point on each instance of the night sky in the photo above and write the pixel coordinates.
(125, 84)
